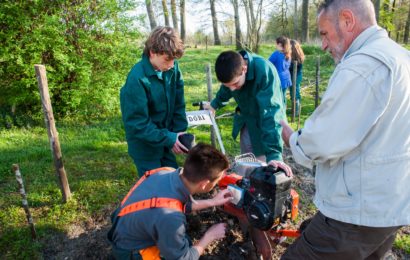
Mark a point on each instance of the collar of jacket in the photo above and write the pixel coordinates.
(369, 33)
(149, 69)
(250, 73)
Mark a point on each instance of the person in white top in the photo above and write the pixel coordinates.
(358, 139)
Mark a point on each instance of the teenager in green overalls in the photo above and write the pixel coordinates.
(152, 103)
(255, 85)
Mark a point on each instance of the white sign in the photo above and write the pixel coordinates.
(200, 117)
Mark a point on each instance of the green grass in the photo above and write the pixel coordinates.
(99, 169)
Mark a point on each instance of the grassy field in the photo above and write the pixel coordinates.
(96, 161)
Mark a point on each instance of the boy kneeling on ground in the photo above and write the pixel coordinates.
(151, 222)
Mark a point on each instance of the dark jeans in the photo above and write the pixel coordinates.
(167, 160)
(297, 91)
(326, 238)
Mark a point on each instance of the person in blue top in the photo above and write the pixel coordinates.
(281, 59)
(153, 105)
(299, 57)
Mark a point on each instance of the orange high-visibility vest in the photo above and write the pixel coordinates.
(150, 253)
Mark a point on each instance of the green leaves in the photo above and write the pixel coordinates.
(87, 47)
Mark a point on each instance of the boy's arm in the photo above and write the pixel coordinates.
(171, 238)
(270, 113)
(223, 95)
(179, 121)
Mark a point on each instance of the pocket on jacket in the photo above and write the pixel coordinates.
(331, 185)
(385, 185)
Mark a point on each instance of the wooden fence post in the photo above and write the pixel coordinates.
(52, 131)
(23, 194)
(317, 81)
(209, 91)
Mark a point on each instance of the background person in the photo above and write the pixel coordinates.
(281, 59)
(358, 138)
(299, 56)
(152, 103)
(162, 230)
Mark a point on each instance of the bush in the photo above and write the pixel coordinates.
(87, 50)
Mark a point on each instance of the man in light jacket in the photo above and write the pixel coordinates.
(358, 138)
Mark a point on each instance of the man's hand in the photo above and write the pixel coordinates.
(179, 148)
(216, 231)
(283, 166)
(222, 197)
(206, 105)
(287, 131)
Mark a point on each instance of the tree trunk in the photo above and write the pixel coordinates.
(174, 14)
(284, 18)
(166, 14)
(259, 26)
(248, 22)
(406, 30)
(217, 40)
(295, 21)
(182, 15)
(238, 40)
(386, 10)
(377, 9)
(305, 21)
(151, 15)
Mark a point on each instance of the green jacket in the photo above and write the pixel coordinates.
(260, 107)
(153, 109)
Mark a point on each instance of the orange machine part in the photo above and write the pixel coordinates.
(295, 203)
(232, 178)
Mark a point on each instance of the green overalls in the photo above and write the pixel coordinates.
(259, 107)
(153, 112)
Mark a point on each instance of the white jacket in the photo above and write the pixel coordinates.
(359, 136)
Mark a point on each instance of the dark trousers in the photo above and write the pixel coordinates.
(326, 238)
(167, 160)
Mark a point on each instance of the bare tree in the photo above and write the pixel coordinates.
(248, 21)
(407, 28)
(151, 15)
(295, 21)
(217, 40)
(238, 38)
(305, 21)
(254, 19)
(284, 18)
(182, 15)
(174, 14)
(166, 14)
(377, 9)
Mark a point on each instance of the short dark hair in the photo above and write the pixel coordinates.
(164, 40)
(228, 65)
(204, 162)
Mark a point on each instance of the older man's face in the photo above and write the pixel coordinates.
(332, 38)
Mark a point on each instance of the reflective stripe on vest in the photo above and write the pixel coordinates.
(146, 175)
(152, 202)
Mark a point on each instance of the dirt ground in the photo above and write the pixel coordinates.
(87, 240)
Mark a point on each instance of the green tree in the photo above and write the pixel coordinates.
(87, 47)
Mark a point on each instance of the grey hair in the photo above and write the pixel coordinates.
(362, 9)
